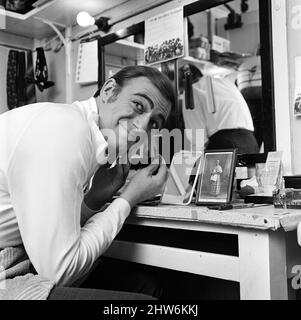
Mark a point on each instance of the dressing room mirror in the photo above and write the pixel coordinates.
(224, 43)
(225, 40)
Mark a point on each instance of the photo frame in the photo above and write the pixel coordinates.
(216, 177)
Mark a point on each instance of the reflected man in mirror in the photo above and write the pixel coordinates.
(220, 109)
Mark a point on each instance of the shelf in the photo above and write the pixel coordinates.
(126, 49)
(131, 44)
(19, 16)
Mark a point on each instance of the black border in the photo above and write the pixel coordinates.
(266, 40)
(231, 177)
(267, 71)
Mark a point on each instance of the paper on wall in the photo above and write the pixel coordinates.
(87, 63)
(164, 36)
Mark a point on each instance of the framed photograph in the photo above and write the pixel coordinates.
(216, 177)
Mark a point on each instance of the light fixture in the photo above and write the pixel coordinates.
(84, 19)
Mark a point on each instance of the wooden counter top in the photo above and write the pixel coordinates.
(259, 217)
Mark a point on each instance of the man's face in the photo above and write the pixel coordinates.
(138, 106)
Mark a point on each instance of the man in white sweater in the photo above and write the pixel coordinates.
(48, 154)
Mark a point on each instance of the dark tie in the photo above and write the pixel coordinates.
(189, 101)
(21, 86)
(30, 82)
(11, 80)
(41, 72)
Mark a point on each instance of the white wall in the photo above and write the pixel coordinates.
(284, 136)
(287, 46)
(56, 73)
(80, 92)
(245, 39)
(293, 11)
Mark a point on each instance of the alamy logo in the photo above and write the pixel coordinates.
(142, 144)
(2, 18)
(2, 278)
(296, 281)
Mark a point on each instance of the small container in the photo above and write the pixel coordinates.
(287, 198)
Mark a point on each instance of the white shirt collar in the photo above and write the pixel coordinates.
(90, 111)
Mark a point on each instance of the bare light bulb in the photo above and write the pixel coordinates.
(84, 19)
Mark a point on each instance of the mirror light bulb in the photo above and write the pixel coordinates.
(84, 19)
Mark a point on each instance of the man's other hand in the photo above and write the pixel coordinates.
(146, 183)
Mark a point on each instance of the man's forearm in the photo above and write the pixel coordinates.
(92, 205)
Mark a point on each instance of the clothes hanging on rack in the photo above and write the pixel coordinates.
(21, 86)
(30, 86)
(11, 79)
(19, 80)
(41, 72)
(188, 87)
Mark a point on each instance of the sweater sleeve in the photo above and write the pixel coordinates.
(46, 175)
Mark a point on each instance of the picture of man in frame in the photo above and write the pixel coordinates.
(216, 179)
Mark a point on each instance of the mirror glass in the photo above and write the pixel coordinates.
(224, 66)
(124, 52)
(223, 44)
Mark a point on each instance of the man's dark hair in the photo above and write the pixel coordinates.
(157, 78)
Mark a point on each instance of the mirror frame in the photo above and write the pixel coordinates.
(267, 70)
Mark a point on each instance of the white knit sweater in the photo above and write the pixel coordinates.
(48, 153)
(17, 281)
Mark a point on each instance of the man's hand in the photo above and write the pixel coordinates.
(146, 184)
(106, 182)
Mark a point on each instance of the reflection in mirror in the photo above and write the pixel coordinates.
(223, 65)
(182, 179)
